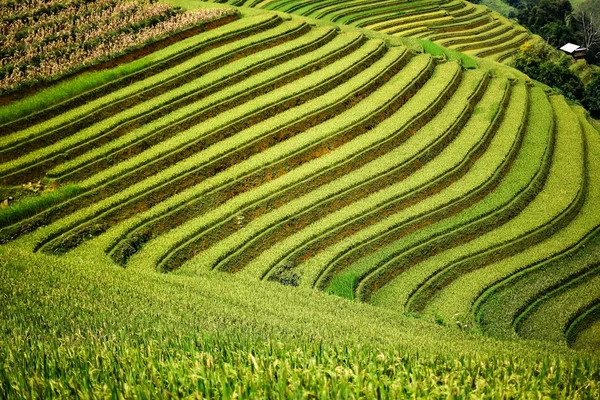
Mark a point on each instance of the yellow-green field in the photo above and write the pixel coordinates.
(295, 205)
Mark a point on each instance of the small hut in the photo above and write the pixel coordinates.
(574, 50)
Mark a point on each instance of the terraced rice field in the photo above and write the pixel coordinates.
(274, 149)
(472, 29)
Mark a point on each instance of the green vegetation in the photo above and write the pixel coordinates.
(124, 332)
(420, 19)
(29, 206)
(296, 205)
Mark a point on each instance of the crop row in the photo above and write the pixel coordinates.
(309, 181)
(583, 330)
(185, 117)
(337, 131)
(484, 172)
(190, 167)
(21, 168)
(369, 14)
(317, 142)
(566, 255)
(549, 318)
(275, 226)
(502, 47)
(435, 174)
(315, 87)
(441, 36)
(460, 271)
(346, 42)
(518, 187)
(72, 108)
(158, 105)
(396, 10)
(223, 130)
(52, 45)
(474, 26)
(483, 35)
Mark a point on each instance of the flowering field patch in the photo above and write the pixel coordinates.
(42, 40)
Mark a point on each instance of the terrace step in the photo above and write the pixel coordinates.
(483, 35)
(148, 110)
(27, 167)
(414, 17)
(549, 318)
(582, 334)
(434, 20)
(183, 118)
(471, 145)
(114, 179)
(355, 185)
(158, 62)
(510, 45)
(318, 142)
(282, 195)
(521, 280)
(439, 37)
(554, 208)
(518, 187)
(342, 9)
(239, 146)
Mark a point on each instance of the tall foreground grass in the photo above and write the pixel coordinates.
(77, 326)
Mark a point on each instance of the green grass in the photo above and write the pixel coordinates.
(29, 206)
(154, 334)
(437, 50)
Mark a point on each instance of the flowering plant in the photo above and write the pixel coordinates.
(44, 39)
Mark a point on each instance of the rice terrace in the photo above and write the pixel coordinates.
(291, 199)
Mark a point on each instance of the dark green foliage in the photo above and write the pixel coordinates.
(548, 18)
(591, 98)
(541, 63)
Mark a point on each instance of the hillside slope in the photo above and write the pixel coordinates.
(456, 24)
(277, 149)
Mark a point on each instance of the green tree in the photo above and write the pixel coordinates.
(540, 62)
(591, 98)
(548, 18)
